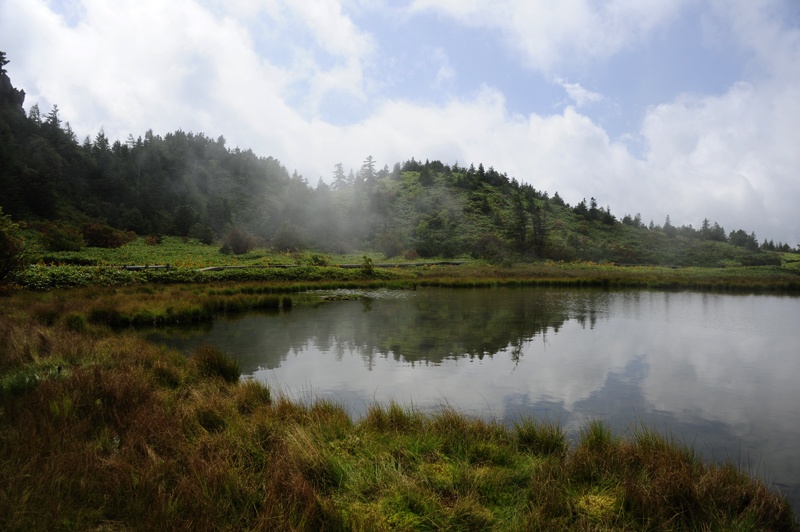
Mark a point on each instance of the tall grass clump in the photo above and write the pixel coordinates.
(596, 436)
(252, 394)
(211, 361)
(541, 438)
(75, 322)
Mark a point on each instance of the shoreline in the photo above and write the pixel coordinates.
(102, 429)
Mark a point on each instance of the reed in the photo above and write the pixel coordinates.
(211, 362)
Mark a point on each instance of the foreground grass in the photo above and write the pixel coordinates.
(106, 431)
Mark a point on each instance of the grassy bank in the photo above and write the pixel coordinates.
(188, 261)
(100, 429)
(588, 274)
(741, 278)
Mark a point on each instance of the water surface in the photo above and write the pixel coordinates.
(718, 371)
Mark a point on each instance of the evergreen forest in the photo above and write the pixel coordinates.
(73, 193)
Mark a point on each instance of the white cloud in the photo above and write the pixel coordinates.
(258, 72)
(732, 157)
(333, 29)
(479, 129)
(446, 72)
(548, 33)
(578, 94)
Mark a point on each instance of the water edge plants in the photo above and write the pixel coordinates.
(100, 428)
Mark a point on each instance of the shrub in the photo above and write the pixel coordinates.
(288, 237)
(153, 240)
(237, 241)
(12, 249)
(762, 259)
(367, 266)
(390, 243)
(319, 260)
(202, 233)
(103, 236)
(489, 247)
(210, 361)
(58, 236)
(410, 254)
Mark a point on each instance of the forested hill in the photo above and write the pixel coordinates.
(99, 192)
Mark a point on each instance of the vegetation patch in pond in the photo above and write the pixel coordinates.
(351, 294)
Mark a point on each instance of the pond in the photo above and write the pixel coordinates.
(717, 371)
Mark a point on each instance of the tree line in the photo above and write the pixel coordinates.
(103, 192)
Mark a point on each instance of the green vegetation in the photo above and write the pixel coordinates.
(193, 262)
(101, 429)
(77, 197)
(12, 249)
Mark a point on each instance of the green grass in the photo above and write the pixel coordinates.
(128, 434)
(191, 254)
(100, 267)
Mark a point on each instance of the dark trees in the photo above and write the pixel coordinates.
(12, 248)
(742, 239)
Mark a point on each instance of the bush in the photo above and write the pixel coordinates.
(319, 260)
(103, 236)
(238, 241)
(58, 236)
(288, 237)
(153, 240)
(12, 249)
(390, 244)
(210, 361)
(410, 254)
(762, 259)
(490, 247)
(367, 266)
(202, 233)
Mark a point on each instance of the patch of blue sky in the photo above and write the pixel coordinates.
(70, 11)
(682, 58)
(430, 59)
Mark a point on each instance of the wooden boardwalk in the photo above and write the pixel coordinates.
(135, 267)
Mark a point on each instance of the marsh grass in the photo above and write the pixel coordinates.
(593, 275)
(187, 258)
(210, 361)
(130, 435)
(541, 438)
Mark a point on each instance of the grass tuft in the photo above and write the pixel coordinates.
(211, 361)
(541, 438)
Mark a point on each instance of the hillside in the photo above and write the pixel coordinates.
(100, 192)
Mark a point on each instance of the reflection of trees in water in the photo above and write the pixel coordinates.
(428, 327)
(439, 324)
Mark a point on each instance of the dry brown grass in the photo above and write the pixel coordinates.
(129, 435)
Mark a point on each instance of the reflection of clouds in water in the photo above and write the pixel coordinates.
(721, 367)
(573, 365)
(713, 357)
(723, 358)
(737, 378)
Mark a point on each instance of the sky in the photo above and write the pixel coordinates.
(686, 108)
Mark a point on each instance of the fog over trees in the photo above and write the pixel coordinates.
(96, 190)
